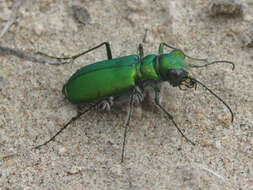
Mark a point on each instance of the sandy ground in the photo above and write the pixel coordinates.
(87, 154)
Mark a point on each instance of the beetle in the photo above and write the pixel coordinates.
(103, 82)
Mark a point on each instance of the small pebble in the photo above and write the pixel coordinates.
(81, 14)
(63, 150)
(117, 169)
(218, 144)
(133, 18)
(74, 170)
(39, 28)
(226, 7)
(27, 188)
(248, 18)
(137, 5)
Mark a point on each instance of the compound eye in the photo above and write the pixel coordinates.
(176, 75)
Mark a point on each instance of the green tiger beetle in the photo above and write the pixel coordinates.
(103, 82)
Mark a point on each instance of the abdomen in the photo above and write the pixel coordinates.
(100, 80)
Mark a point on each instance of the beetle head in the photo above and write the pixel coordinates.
(172, 68)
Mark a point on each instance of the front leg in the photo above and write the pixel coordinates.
(149, 92)
(133, 92)
(170, 117)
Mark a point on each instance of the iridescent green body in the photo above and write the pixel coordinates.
(109, 79)
(115, 77)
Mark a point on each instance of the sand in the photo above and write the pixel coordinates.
(87, 154)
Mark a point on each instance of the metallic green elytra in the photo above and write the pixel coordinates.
(105, 81)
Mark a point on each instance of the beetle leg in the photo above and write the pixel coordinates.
(107, 46)
(79, 114)
(145, 35)
(157, 94)
(149, 89)
(169, 46)
(106, 104)
(127, 123)
(141, 52)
